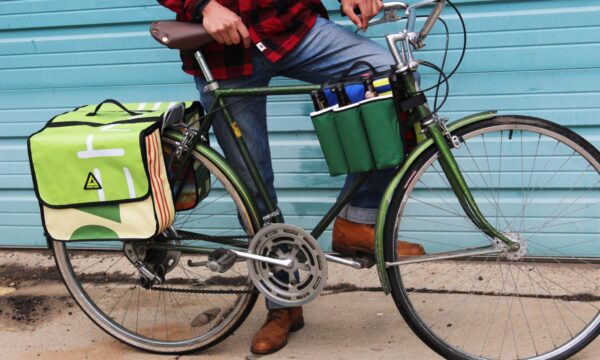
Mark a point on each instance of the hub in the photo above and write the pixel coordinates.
(513, 255)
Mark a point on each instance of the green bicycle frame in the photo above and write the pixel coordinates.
(435, 135)
(220, 103)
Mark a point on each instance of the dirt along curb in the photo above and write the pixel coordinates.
(352, 319)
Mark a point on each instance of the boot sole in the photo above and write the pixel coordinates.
(350, 250)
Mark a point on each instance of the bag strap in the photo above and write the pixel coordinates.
(114, 102)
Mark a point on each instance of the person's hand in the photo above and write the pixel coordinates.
(224, 25)
(368, 9)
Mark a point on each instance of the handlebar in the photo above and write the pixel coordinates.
(408, 37)
(435, 14)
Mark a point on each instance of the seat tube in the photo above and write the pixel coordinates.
(212, 85)
(204, 66)
(246, 156)
(236, 133)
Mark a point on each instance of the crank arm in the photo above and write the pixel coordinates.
(287, 263)
(191, 263)
(221, 260)
(340, 260)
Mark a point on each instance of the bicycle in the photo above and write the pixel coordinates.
(488, 261)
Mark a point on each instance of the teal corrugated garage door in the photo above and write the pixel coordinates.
(528, 57)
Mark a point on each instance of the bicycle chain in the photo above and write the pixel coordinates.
(192, 236)
(210, 238)
(197, 291)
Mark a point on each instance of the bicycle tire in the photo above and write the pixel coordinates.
(426, 294)
(226, 311)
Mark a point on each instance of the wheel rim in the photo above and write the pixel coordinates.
(508, 303)
(106, 284)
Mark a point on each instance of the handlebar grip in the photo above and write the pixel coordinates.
(435, 14)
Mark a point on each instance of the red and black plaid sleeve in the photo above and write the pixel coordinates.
(186, 10)
(281, 24)
(275, 26)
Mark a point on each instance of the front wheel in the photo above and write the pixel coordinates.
(193, 308)
(536, 182)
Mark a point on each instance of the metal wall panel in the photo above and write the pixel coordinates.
(528, 57)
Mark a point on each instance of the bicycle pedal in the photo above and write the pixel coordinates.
(365, 260)
(221, 260)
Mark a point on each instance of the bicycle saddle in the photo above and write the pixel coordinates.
(180, 35)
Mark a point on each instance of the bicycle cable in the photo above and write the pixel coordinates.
(437, 89)
(441, 79)
(462, 55)
(447, 92)
(447, 87)
(440, 71)
(240, 99)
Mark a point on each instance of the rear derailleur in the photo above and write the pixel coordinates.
(152, 264)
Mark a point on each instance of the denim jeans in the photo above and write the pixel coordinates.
(324, 54)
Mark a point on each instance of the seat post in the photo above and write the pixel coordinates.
(212, 84)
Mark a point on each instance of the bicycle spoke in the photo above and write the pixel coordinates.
(545, 184)
(528, 184)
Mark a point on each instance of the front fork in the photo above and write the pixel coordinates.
(440, 136)
(404, 87)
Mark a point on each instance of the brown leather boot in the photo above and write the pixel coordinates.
(272, 336)
(350, 238)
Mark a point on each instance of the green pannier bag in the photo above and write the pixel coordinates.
(360, 137)
(99, 173)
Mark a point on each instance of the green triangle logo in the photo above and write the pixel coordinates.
(91, 183)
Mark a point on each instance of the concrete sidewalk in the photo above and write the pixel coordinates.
(39, 320)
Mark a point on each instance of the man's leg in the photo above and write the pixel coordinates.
(327, 52)
(250, 115)
(323, 55)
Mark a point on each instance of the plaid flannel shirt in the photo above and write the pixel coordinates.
(275, 27)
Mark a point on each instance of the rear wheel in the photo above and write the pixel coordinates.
(538, 183)
(193, 308)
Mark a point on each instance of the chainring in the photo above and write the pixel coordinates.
(293, 286)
